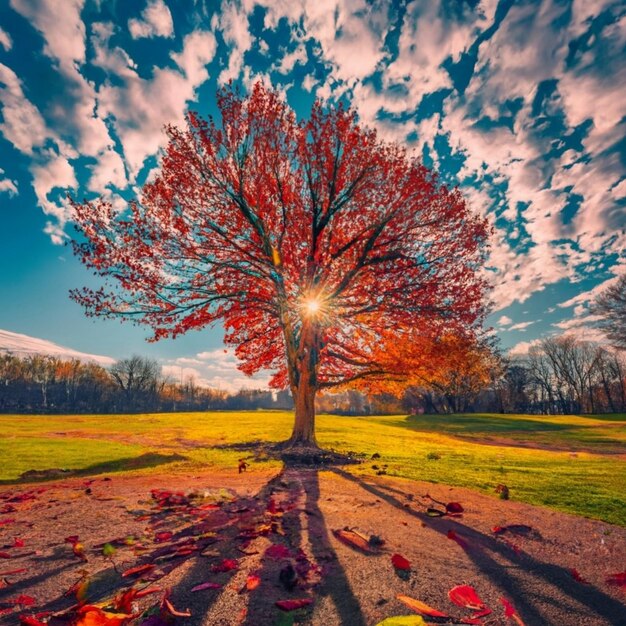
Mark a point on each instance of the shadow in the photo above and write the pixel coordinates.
(478, 548)
(143, 461)
(294, 535)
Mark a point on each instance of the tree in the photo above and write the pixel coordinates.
(137, 377)
(610, 306)
(308, 240)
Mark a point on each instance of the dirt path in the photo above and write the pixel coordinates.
(257, 535)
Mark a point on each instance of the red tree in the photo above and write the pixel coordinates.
(309, 240)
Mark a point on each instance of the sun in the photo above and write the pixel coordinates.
(312, 306)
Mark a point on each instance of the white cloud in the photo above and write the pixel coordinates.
(139, 108)
(522, 348)
(232, 20)
(216, 369)
(62, 28)
(5, 40)
(22, 125)
(24, 345)
(521, 326)
(504, 320)
(7, 185)
(156, 21)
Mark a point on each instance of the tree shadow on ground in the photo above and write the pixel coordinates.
(143, 461)
(286, 544)
(482, 550)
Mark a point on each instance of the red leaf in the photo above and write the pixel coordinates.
(619, 580)
(278, 551)
(510, 612)
(252, 582)
(454, 508)
(420, 607)
(226, 565)
(576, 576)
(9, 572)
(161, 537)
(293, 605)
(139, 569)
(18, 543)
(466, 596)
(29, 620)
(5, 555)
(3, 522)
(71, 539)
(399, 562)
(172, 611)
(208, 585)
(452, 535)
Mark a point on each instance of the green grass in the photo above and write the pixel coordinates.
(571, 463)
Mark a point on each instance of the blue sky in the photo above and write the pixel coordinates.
(519, 103)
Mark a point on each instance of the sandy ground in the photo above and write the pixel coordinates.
(274, 534)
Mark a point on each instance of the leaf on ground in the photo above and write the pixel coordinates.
(462, 542)
(355, 540)
(138, 570)
(431, 512)
(30, 620)
(403, 620)
(293, 605)
(466, 596)
(227, 565)
(278, 551)
(18, 543)
(577, 577)
(169, 607)
(511, 613)
(108, 550)
(399, 562)
(454, 508)
(252, 582)
(207, 585)
(163, 536)
(5, 555)
(517, 529)
(420, 607)
(618, 580)
(89, 615)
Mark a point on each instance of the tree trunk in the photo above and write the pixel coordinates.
(305, 387)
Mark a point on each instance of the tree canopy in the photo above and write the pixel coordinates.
(314, 242)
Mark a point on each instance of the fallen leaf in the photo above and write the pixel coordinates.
(510, 612)
(173, 611)
(431, 512)
(108, 550)
(454, 508)
(452, 535)
(162, 537)
(95, 616)
(399, 562)
(293, 605)
(252, 582)
(466, 596)
(29, 620)
(278, 551)
(420, 607)
(355, 540)
(226, 565)
(208, 585)
(577, 577)
(139, 569)
(619, 580)
(403, 620)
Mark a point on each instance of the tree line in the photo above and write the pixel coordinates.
(558, 375)
(48, 384)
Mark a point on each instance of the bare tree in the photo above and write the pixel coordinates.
(610, 306)
(137, 377)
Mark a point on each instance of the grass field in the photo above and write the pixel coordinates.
(571, 463)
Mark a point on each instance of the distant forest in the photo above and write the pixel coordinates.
(558, 375)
